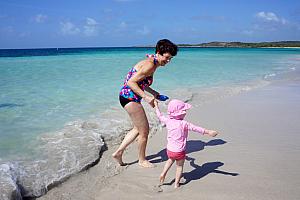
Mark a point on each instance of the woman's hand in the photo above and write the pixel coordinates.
(150, 100)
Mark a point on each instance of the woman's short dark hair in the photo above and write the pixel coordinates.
(166, 46)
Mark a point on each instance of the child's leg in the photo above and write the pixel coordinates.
(179, 169)
(167, 166)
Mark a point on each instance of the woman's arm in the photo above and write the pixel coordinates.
(151, 91)
(146, 70)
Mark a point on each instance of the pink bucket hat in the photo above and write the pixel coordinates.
(177, 108)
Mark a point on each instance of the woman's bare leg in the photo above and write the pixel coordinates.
(167, 166)
(140, 121)
(141, 129)
(179, 170)
(128, 139)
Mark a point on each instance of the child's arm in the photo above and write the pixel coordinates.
(158, 113)
(198, 129)
(201, 130)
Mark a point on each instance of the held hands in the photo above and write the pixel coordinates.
(150, 100)
(155, 103)
(211, 133)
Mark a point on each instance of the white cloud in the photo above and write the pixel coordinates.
(91, 22)
(40, 18)
(68, 28)
(270, 17)
(144, 31)
(90, 28)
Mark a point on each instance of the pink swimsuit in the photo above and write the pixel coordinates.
(177, 133)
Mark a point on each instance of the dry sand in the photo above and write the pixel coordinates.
(255, 157)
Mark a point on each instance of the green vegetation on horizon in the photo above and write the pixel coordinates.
(245, 44)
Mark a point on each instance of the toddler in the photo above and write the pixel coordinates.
(177, 136)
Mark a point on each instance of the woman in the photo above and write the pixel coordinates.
(139, 78)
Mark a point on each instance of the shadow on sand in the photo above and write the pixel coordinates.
(192, 146)
(201, 171)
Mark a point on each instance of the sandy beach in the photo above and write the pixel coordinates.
(256, 156)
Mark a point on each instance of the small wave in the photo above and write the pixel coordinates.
(8, 183)
(10, 105)
(268, 76)
(206, 95)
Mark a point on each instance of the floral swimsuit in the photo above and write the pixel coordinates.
(127, 92)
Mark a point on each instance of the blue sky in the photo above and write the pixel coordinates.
(99, 23)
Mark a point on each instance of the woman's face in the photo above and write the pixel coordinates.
(164, 59)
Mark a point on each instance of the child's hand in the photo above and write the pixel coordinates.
(211, 133)
(155, 103)
(150, 100)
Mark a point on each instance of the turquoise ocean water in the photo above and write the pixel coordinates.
(42, 90)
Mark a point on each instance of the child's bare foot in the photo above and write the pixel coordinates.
(176, 185)
(118, 157)
(157, 188)
(182, 180)
(211, 133)
(146, 164)
(162, 179)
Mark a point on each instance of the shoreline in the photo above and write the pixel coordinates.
(131, 182)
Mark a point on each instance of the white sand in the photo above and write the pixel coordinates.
(255, 157)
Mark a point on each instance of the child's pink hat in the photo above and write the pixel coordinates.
(177, 108)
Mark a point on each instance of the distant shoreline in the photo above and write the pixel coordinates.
(278, 44)
(237, 47)
(216, 44)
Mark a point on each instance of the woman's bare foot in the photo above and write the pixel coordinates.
(146, 164)
(118, 157)
(177, 185)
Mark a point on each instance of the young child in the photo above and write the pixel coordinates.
(177, 136)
